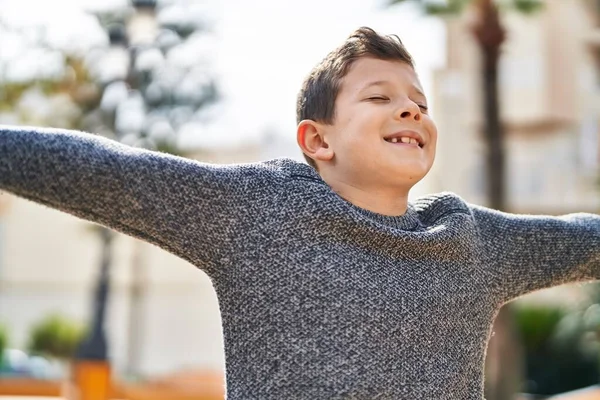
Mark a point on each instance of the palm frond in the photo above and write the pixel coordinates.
(527, 6)
(451, 7)
(437, 7)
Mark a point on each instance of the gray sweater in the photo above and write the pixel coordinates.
(320, 299)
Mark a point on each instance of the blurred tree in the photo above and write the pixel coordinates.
(3, 344)
(151, 83)
(504, 364)
(55, 336)
(157, 86)
(156, 75)
(562, 347)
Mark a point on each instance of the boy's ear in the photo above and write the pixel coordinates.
(311, 139)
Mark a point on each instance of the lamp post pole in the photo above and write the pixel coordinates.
(141, 32)
(94, 347)
(91, 372)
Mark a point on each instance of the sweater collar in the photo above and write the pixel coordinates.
(408, 221)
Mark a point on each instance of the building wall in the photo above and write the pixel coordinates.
(549, 96)
(549, 103)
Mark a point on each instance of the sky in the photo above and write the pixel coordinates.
(261, 50)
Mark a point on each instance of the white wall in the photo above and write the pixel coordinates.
(49, 262)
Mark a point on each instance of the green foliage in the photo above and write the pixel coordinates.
(537, 324)
(76, 83)
(3, 341)
(454, 7)
(77, 92)
(55, 336)
(438, 7)
(527, 6)
(561, 348)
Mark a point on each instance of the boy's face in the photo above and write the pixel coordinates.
(381, 106)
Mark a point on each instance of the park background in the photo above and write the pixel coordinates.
(217, 81)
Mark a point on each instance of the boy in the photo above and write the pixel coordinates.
(331, 284)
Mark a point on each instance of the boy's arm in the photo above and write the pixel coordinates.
(186, 207)
(528, 253)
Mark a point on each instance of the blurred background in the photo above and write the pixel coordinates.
(513, 86)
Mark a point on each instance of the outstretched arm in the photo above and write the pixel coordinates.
(528, 253)
(186, 207)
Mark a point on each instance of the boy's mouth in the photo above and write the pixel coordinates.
(405, 138)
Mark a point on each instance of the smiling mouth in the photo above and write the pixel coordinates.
(404, 141)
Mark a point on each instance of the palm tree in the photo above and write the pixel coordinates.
(504, 369)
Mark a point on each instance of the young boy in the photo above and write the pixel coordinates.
(331, 284)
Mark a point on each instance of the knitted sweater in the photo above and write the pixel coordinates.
(319, 298)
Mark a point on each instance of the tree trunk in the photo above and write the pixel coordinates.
(504, 365)
(493, 132)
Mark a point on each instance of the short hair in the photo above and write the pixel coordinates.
(316, 100)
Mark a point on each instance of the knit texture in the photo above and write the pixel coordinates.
(319, 298)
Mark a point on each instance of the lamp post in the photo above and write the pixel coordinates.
(142, 26)
(90, 373)
(94, 346)
(119, 80)
(142, 30)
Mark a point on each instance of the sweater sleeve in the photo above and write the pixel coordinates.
(186, 207)
(529, 253)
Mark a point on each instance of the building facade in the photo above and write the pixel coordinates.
(549, 98)
(549, 84)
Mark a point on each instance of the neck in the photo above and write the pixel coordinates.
(391, 201)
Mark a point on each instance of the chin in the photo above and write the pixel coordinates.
(409, 173)
(402, 180)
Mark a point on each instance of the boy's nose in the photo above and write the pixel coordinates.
(409, 110)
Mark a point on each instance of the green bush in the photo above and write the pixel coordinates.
(3, 343)
(55, 336)
(560, 351)
(537, 324)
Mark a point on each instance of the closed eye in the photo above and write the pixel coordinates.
(423, 108)
(380, 98)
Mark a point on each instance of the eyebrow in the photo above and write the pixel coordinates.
(382, 82)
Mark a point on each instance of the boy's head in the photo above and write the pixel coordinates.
(356, 109)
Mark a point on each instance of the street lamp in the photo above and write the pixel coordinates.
(91, 369)
(142, 26)
(94, 346)
(90, 372)
(113, 72)
(142, 30)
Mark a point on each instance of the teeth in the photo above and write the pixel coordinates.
(404, 139)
